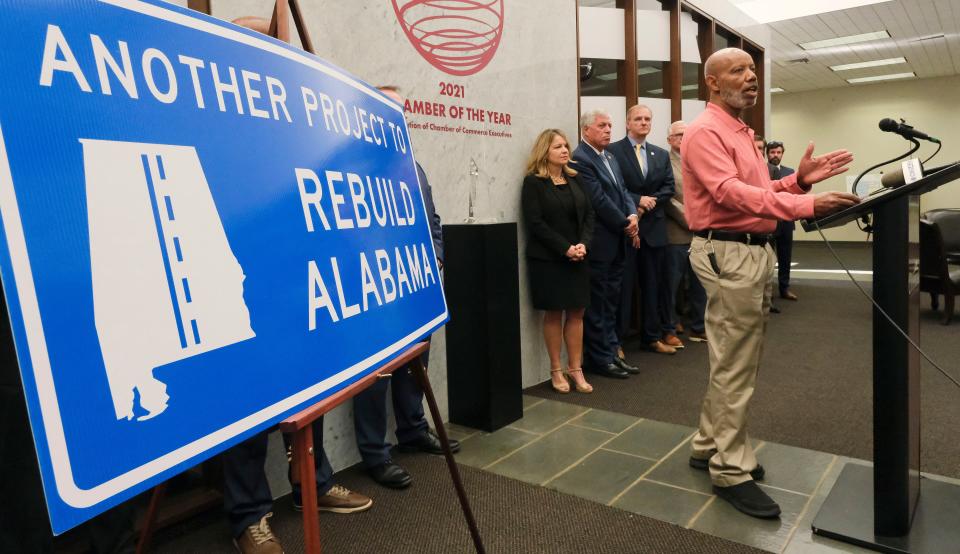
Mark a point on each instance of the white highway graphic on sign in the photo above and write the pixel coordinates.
(166, 285)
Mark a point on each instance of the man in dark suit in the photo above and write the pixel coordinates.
(615, 231)
(785, 229)
(370, 406)
(648, 176)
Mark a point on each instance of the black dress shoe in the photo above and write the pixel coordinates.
(609, 370)
(703, 464)
(390, 475)
(428, 442)
(774, 309)
(622, 364)
(750, 499)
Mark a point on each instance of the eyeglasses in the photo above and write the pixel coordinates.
(774, 144)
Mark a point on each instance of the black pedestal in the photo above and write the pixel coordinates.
(847, 515)
(483, 335)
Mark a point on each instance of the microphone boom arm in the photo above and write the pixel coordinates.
(916, 146)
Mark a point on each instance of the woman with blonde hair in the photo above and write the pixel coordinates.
(558, 218)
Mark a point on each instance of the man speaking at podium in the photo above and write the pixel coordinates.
(733, 208)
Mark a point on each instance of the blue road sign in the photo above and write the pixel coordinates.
(204, 231)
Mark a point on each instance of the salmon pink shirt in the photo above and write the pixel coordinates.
(726, 183)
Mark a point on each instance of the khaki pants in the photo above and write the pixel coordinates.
(738, 301)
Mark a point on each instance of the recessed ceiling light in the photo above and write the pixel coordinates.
(882, 77)
(840, 41)
(767, 11)
(684, 87)
(776, 89)
(875, 63)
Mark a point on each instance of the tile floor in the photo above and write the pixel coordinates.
(640, 465)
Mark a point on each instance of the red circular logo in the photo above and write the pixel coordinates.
(458, 37)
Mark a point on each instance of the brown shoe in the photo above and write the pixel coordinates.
(679, 329)
(342, 500)
(657, 347)
(258, 539)
(788, 295)
(672, 340)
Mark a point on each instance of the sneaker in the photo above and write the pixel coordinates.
(339, 500)
(697, 336)
(258, 539)
(750, 499)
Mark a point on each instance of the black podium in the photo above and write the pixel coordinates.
(483, 336)
(891, 508)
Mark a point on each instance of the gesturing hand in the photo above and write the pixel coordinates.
(813, 169)
(826, 203)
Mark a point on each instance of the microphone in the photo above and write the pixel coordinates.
(890, 126)
(893, 179)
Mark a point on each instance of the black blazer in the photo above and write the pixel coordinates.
(776, 175)
(658, 183)
(545, 218)
(609, 199)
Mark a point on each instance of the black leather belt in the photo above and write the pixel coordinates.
(745, 238)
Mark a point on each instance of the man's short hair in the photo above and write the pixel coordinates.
(638, 107)
(674, 125)
(590, 116)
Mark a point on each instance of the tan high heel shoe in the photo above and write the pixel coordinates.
(586, 387)
(562, 389)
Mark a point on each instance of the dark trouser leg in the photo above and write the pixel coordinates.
(698, 299)
(408, 405)
(784, 253)
(676, 265)
(599, 319)
(112, 531)
(370, 423)
(246, 493)
(625, 304)
(651, 269)
(613, 289)
(324, 472)
(24, 526)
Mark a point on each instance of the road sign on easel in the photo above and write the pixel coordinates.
(204, 231)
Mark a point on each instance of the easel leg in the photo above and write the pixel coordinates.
(421, 374)
(303, 454)
(150, 518)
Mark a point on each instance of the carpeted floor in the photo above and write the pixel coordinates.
(513, 517)
(815, 384)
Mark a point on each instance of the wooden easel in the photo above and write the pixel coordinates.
(301, 427)
(301, 424)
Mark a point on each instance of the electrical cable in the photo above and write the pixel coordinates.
(881, 310)
(935, 152)
(916, 146)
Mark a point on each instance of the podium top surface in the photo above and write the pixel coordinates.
(931, 181)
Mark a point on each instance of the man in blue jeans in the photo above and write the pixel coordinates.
(678, 255)
(249, 503)
(370, 406)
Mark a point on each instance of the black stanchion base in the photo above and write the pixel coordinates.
(847, 515)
